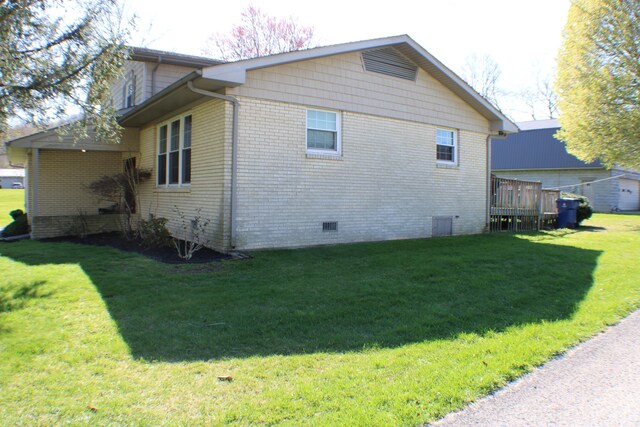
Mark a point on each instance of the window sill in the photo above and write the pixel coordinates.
(323, 156)
(183, 189)
(442, 165)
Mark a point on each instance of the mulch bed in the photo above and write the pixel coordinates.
(167, 255)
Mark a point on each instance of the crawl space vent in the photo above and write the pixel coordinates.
(442, 226)
(390, 62)
(330, 226)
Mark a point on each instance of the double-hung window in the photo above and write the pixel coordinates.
(446, 146)
(174, 152)
(323, 132)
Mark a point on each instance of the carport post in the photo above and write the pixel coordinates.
(35, 181)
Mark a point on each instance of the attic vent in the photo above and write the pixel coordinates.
(390, 62)
(330, 226)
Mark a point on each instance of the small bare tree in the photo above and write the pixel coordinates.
(191, 234)
(259, 34)
(483, 73)
(541, 100)
(121, 189)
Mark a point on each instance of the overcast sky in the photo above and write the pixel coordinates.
(522, 36)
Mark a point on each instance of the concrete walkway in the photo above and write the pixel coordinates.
(595, 384)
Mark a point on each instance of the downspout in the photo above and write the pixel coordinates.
(488, 213)
(153, 76)
(234, 153)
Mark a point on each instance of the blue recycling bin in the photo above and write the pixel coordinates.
(567, 213)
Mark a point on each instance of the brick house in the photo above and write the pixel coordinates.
(362, 141)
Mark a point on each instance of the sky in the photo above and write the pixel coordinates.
(522, 36)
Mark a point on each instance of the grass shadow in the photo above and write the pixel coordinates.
(591, 228)
(329, 299)
(12, 300)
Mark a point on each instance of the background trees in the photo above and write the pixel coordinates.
(483, 73)
(58, 56)
(259, 34)
(599, 81)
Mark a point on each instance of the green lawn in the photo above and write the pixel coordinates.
(393, 333)
(10, 199)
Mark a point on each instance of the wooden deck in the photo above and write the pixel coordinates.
(518, 205)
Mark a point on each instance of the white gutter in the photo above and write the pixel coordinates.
(234, 153)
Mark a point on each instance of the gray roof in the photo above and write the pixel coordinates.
(536, 148)
(152, 55)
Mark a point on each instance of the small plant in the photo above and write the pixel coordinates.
(79, 225)
(584, 208)
(121, 189)
(20, 224)
(191, 234)
(154, 233)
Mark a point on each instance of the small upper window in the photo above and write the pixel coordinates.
(323, 131)
(446, 146)
(130, 91)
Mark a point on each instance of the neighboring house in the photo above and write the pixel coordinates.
(362, 141)
(535, 154)
(10, 177)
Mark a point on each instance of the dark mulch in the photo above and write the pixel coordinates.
(168, 255)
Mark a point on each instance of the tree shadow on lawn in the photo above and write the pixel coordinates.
(12, 300)
(329, 299)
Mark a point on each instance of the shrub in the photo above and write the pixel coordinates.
(154, 232)
(20, 224)
(192, 234)
(584, 208)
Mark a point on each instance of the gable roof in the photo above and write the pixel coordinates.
(234, 73)
(535, 147)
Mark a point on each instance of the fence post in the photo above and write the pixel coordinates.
(540, 213)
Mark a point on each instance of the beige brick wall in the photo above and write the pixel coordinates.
(209, 189)
(43, 227)
(385, 185)
(64, 176)
(62, 190)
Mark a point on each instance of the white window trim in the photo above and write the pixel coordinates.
(455, 147)
(338, 149)
(167, 123)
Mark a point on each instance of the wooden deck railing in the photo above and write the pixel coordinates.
(518, 205)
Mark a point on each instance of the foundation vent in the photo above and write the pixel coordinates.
(330, 226)
(442, 226)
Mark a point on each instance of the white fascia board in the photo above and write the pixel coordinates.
(51, 140)
(233, 74)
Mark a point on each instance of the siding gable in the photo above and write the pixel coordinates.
(341, 82)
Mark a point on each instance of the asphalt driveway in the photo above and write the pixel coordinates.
(595, 384)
